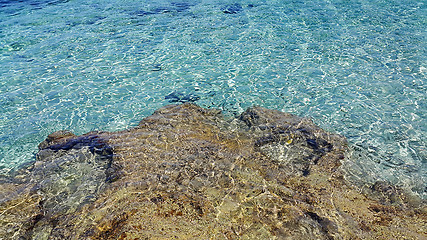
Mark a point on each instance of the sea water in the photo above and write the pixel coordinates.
(356, 67)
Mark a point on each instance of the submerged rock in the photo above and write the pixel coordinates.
(176, 96)
(185, 172)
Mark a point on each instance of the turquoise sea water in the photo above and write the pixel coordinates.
(357, 68)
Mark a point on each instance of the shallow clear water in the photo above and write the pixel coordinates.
(356, 67)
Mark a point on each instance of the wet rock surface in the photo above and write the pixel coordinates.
(187, 173)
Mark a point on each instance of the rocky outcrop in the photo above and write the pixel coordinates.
(186, 172)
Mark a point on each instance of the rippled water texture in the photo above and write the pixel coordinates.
(357, 68)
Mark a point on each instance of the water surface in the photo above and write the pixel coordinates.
(357, 68)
